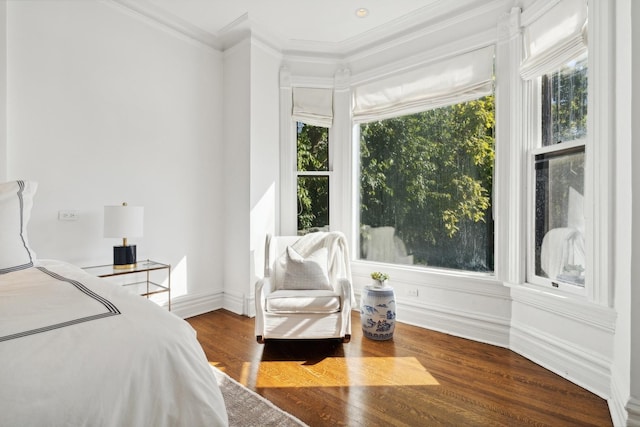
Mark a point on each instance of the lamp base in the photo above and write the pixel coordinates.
(124, 256)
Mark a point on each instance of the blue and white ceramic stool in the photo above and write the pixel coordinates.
(378, 312)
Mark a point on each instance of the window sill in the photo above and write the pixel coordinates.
(450, 280)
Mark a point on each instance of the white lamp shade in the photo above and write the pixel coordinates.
(123, 221)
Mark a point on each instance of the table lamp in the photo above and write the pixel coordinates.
(123, 222)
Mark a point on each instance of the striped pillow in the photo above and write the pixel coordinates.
(16, 200)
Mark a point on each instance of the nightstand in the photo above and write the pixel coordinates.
(138, 278)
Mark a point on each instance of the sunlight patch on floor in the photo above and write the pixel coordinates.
(218, 365)
(343, 372)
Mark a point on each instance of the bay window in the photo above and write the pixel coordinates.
(312, 152)
(556, 70)
(313, 116)
(425, 188)
(426, 152)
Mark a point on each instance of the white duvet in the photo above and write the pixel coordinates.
(76, 350)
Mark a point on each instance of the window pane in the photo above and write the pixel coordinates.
(313, 203)
(312, 147)
(559, 218)
(564, 103)
(425, 188)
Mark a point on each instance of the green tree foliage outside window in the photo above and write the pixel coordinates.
(430, 175)
(564, 103)
(313, 190)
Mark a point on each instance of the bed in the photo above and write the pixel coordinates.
(76, 350)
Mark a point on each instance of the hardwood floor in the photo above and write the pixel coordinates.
(420, 378)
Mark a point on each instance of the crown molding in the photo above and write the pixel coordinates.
(244, 27)
(536, 10)
(146, 10)
(429, 19)
(389, 31)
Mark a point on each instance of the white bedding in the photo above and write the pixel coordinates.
(76, 350)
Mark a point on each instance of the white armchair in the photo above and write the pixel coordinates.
(306, 292)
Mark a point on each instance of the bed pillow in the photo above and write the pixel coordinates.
(16, 200)
(306, 273)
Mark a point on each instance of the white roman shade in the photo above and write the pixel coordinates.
(555, 38)
(450, 81)
(313, 106)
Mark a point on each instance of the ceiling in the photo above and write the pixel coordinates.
(312, 25)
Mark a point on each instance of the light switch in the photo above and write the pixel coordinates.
(68, 215)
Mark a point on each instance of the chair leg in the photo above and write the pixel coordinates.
(346, 338)
(259, 339)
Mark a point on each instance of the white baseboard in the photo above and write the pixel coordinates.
(475, 326)
(617, 404)
(251, 306)
(193, 305)
(579, 365)
(235, 303)
(633, 412)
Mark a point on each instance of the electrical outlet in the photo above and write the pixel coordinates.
(412, 292)
(68, 215)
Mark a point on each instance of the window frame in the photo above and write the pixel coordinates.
(532, 277)
(598, 195)
(428, 61)
(328, 173)
(357, 203)
(532, 130)
(532, 148)
(287, 223)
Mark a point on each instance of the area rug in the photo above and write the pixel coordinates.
(246, 408)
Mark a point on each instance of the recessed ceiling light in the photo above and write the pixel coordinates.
(362, 12)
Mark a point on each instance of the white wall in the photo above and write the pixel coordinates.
(626, 367)
(633, 404)
(251, 165)
(3, 90)
(265, 157)
(105, 107)
(622, 297)
(237, 174)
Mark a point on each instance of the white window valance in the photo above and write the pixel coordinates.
(555, 38)
(313, 106)
(450, 81)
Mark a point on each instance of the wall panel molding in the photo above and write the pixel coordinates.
(476, 326)
(581, 366)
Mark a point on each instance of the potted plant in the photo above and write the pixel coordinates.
(379, 279)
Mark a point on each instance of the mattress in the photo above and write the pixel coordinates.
(76, 350)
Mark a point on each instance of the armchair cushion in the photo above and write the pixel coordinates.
(310, 301)
(305, 273)
(305, 313)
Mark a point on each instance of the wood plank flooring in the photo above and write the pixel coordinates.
(419, 378)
